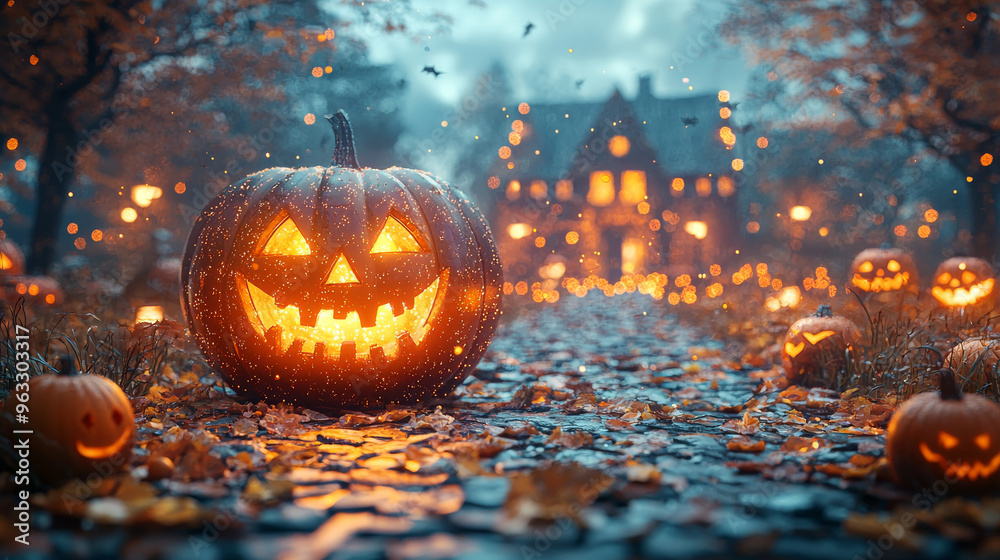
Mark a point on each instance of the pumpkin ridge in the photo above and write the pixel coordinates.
(485, 251)
(439, 190)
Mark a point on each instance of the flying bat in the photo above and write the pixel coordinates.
(432, 70)
(527, 29)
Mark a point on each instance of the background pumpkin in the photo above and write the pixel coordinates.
(946, 436)
(884, 270)
(82, 424)
(963, 281)
(974, 362)
(11, 259)
(813, 344)
(341, 286)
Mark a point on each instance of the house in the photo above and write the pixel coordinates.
(614, 189)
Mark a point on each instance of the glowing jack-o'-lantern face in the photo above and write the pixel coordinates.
(962, 282)
(947, 436)
(815, 343)
(963, 468)
(11, 259)
(81, 424)
(351, 287)
(883, 270)
(343, 316)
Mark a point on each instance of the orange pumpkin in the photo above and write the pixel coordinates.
(817, 343)
(974, 361)
(81, 424)
(963, 281)
(342, 286)
(884, 270)
(11, 259)
(946, 438)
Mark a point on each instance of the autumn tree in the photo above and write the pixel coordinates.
(76, 78)
(922, 70)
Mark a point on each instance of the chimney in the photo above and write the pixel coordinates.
(645, 86)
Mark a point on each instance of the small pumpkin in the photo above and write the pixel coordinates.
(974, 360)
(41, 290)
(81, 425)
(946, 437)
(884, 270)
(963, 281)
(11, 259)
(813, 344)
(342, 286)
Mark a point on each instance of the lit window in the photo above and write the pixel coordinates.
(696, 228)
(619, 146)
(800, 213)
(633, 255)
(602, 188)
(538, 190)
(725, 186)
(703, 186)
(519, 230)
(564, 189)
(513, 190)
(633, 187)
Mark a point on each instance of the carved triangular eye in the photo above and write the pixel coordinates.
(396, 238)
(286, 240)
(983, 441)
(866, 266)
(342, 273)
(948, 441)
(5, 262)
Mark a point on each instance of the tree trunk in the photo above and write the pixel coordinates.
(984, 217)
(57, 169)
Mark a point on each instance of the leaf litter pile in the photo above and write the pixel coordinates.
(596, 428)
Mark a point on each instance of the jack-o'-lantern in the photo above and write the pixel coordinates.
(817, 343)
(974, 362)
(884, 270)
(963, 281)
(41, 290)
(342, 286)
(948, 437)
(81, 424)
(11, 259)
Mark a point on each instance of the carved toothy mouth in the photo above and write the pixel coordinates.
(963, 471)
(882, 283)
(395, 329)
(960, 297)
(103, 452)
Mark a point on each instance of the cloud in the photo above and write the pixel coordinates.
(612, 44)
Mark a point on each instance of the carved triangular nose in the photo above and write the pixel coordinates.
(342, 273)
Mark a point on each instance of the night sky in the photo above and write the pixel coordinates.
(612, 44)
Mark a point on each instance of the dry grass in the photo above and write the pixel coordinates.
(131, 356)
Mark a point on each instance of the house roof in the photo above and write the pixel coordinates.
(683, 131)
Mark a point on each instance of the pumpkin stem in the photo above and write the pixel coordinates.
(949, 389)
(824, 311)
(344, 153)
(68, 366)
